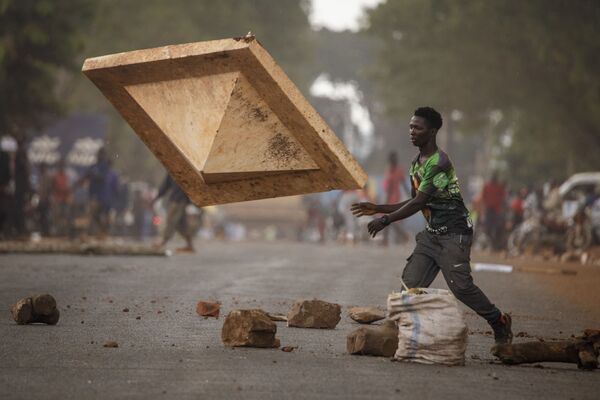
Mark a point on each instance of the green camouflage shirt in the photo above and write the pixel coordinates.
(445, 211)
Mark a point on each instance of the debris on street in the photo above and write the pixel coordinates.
(249, 328)
(317, 314)
(379, 340)
(208, 309)
(507, 269)
(366, 315)
(111, 344)
(36, 309)
(89, 248)
(477, 267)
(583, 351)
(277, 317)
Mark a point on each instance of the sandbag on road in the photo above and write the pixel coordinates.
(431, 327)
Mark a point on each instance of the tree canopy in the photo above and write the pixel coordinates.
(282, 27)
(43, 44)
(535, 63)
(38, 40)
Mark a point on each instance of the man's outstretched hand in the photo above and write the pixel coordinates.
(364, 208)
(375, 226)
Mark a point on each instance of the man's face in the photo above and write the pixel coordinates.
(420, 132)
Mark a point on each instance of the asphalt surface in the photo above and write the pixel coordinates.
(170, 352)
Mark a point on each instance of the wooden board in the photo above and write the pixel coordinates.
(49, 246)
(225, 121)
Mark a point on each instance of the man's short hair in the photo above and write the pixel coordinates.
(433, 118)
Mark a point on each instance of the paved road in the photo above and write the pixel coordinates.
(170, 352)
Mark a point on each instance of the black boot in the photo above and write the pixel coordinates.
(502, 329)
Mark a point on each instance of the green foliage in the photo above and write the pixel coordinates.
(38, 38)
(281, 26)
(43, 44)
(536, 61)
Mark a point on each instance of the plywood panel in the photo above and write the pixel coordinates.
(251, 138)
(225, 120)
(187, 110)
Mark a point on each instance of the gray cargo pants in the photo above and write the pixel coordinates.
(450, 253)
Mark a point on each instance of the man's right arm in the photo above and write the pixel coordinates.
(390, 208)
(366, 208)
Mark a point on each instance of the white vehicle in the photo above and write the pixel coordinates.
(583, 219)
(574, 192)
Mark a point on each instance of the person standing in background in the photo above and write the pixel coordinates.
(23, 192)
(102, 189)
(176, 214)
(493, 199)
(44, 182)
(61, 199)
(5, 180)
(393, 180)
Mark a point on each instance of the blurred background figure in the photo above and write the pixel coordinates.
(532, 203)
(62, 201)
(493, 199)
(121, 216)
(353, 228)
(22, 191)
(315, 218)
(552, 202)
(43, 191)
(176, 219)
(103, 186)
(141, 208)
(516, 209)
(5, 189)
(393, 181)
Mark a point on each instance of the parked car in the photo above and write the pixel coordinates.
(576, 192)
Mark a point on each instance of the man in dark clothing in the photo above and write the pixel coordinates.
(44, 187)
(23, 191)
(446, 242)
(5, 180)
(103, 186)
(176, 215)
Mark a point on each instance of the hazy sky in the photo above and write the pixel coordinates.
(338, 15)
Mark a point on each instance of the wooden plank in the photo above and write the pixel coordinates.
(225, 121)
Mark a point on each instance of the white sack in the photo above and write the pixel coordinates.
(431, 327)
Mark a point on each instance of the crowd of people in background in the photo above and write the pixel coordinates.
(95, 202)
(499, 211)
(57, 201)
(329, 213)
